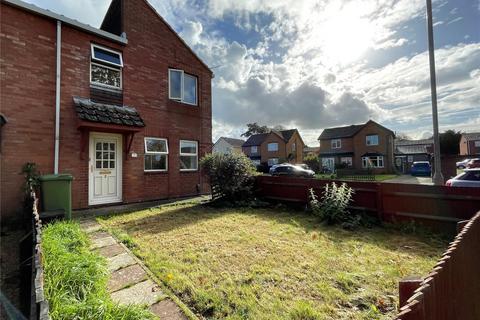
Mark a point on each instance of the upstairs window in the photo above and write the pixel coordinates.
(182, 87)
(106, 67)
(372, 140)
(336, 143)
(156, 154)
(272, 146)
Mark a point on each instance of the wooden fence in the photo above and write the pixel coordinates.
(452, 290)
(438, 207)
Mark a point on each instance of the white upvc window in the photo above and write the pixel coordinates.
(182, 87)
(106, 67)
(272, 161)
(253, 149)
(256, 162)
(371, 140)
(347, 160)
(294, 147)
(477, 143)
(156, 154)
(188, 155)
(336, 143)
(273, 146)
(372, 162)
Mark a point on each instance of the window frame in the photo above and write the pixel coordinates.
(103, 85)
(336, 143)
(180, 154)
(155, 152)
(182, 86)
(272, 143)
(92, 48)
(372, 144)
(268, 161)
(256, 149)
(378, 162)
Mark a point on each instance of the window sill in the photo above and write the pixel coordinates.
(153, 172)
(188, 170)
(105, 88)
(184, 103)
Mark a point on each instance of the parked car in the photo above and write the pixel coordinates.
(462, 164)
(468, 178)
(292, 170)
(474, 163)
(421, 168)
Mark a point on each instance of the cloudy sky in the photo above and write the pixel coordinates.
(314, 64)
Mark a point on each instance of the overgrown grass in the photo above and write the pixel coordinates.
(378, 177)
(76, 278)
(275, 263)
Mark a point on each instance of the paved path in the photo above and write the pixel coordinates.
(408, 179)
(129, 282)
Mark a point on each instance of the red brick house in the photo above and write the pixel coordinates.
(361, 146)
(275, 147)
(470, 144)
(131, 102)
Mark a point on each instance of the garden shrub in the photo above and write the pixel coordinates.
(76, 278)
(232, 173)
(313, 162)
(332, 208)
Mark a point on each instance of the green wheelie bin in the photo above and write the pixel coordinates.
(56, 190)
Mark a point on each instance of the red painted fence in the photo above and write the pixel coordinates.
(452, 290)
(438, 207)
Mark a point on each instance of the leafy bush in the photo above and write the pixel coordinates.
(231, 173)
(313, 162)
(333, 205)
(76, 278)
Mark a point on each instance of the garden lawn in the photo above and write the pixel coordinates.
(378, 177)
(274, 263)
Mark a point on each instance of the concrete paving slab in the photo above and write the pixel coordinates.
(167, 309)
(103, 242)
(98, 235)
(111, 251)
(120, 261)
(90, 226)
(146, 292)
(126, 277)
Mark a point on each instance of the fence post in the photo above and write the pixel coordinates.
(406, 287)
(380, 202)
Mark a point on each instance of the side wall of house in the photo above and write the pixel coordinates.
(463, 146)
(221, 146)
(27, 73)
(298, 153)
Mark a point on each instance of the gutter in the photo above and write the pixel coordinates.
(57, 97)
(71, 22)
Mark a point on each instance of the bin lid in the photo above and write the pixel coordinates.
(56, 177)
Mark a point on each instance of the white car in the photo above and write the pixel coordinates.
(468, 178)
(462, 164)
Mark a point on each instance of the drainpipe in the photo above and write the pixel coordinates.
(57, 97)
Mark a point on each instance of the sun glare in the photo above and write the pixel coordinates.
(346, 35)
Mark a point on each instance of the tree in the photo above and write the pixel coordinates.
(449, 142)
(255, 128)
(402, 136)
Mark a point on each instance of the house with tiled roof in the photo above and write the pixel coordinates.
(124, 108)
(408, 151)
(470, 144)
(359, 146)
(276, 146)
(226, 145)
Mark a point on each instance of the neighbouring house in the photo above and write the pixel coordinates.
(125, 108)
(409, 151)
(275, 147)
(470, 144)
(228, 145)
(361, 146)
(311, 151)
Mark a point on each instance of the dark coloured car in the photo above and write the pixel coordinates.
(474, 163)
(292, 170)
(421, 168)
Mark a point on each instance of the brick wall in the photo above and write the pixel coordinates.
(28, 102)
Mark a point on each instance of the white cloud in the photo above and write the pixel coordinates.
(191, 32)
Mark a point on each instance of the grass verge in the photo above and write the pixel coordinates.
(76, 278)
(274, 263)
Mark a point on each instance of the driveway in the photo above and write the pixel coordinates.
(410, 180)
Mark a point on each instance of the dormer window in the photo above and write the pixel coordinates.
(182, 87)
(106, 67)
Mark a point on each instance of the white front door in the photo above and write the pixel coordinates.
(105, 168)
